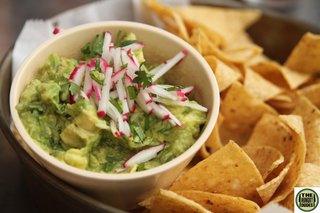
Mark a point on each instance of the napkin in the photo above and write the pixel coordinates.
(126, 10)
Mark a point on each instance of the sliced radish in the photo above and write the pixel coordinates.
(144, 155)
(134, 46)
(97, 90)
(105, 94)
(126, 129)
(129, 82)
(164, 69)
(117, 59)
(113, 112)
(181, 103)
(131, 66)
(116, 76)
(122, 96)
(156, 69)
(103, 65)
(121, 126)
(187, 90)
(164, 86)
(83, 95)
(73, 98)
(114, 94)
(77, 74)
(173, 119)
(159, 112)
(146, 96)
(142, 103)
(56, 30)
(92, 63)
(133, 58)
(106, 46)
(114, 129)
(87, 85)
(154, 89)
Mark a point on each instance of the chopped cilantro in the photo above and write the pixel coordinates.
(94, 48)
(97, 66)
(97, 76)
(143, 77)
(132, 91)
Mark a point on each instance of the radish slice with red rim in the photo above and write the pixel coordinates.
(144, 155)
(155, 89)
(134, 46)
(170, 63)
(77, 74)
(105, 94)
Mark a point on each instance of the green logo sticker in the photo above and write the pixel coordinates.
(307, 200)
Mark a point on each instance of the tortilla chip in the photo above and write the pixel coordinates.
(200, 41)
(168, 201)
(219, 173)
(213, 143)
(243, 54)
(271, 131)
(241, 111)
(284, 103)
(280, 75)
(225, 22)
(312, 93)
(267, 190)
(260, 87)
(309, 177)
(294, 78)
(220, 202)
(172, 21)
(305, 56)
(298, 157)
(242, 40)
(224, 74)
(266, 158)
(311, 121)
(285, 133)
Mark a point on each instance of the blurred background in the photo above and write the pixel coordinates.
(14, 13)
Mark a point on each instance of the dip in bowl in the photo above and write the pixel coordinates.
(80, 139)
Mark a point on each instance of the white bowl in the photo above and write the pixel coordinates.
(122, 190)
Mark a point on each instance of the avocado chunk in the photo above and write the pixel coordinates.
(83, 130)
(77, 158)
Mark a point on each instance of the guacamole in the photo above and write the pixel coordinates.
(80, 124)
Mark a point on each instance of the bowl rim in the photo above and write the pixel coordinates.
(57, 164)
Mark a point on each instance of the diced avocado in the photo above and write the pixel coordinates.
(77, 158)
(50, 93)
(31, 92)
(87, 120)
(130, 36)
(83, 130)
(139, 54)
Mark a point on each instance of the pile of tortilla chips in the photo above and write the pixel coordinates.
(267, 138)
